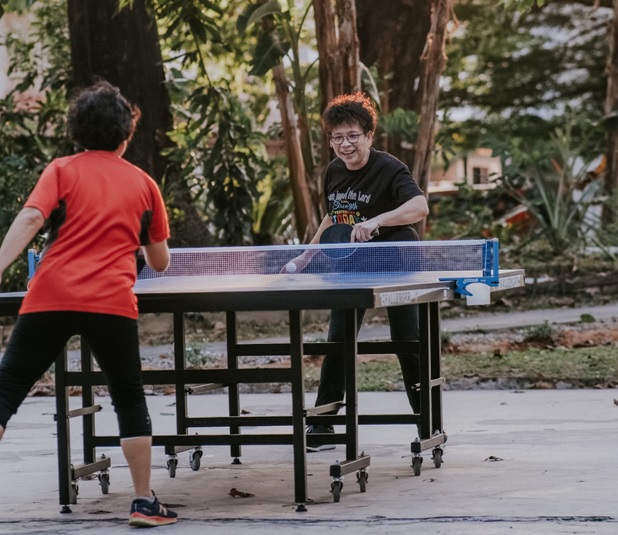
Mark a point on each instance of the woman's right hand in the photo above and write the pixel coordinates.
(297, 264)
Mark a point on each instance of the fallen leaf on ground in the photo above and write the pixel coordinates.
(238, 494)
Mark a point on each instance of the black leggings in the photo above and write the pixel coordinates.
(37, 340)
(403, 321)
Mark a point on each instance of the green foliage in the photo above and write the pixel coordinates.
(544, 333)
(521, 5)
(278, 33)
(8, 6)
(32, 129)
(465, 214)
(278, 37)
(582, 367)
(272, 46)
(587, 318)
(556, 189)
(219, 156)
(219, 111)
(512, 77)
(400, 124)
(445, 337)
(189, 24)
(272, 215)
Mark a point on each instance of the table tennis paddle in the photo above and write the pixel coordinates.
(339, 233)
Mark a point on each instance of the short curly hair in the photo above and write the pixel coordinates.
(356, 108)
(100, 118)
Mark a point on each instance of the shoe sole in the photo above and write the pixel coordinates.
(150, 522)
(324, 447)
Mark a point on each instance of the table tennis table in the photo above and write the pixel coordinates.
(240, 279)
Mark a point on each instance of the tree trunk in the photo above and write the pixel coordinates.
(348, 45)
(392, 38)
(300, 189)
(409, 68)
(434, 60)
(398, 60)
(610, 184)
(306, 222)
(123, 48)
(338, 48)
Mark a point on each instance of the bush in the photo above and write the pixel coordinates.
(32, 129)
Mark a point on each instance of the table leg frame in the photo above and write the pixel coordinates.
(429, 419)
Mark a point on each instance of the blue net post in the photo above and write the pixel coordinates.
(33, 260)
(491, 254)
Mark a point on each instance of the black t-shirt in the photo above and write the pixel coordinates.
(382, 185)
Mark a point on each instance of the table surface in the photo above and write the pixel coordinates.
(297, 291)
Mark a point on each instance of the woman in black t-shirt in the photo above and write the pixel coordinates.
(375, 193)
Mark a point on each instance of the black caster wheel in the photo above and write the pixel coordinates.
(335, 488)
(194, 460)
(416, 465)
(437, 457)
(362, 477)
(104, 482)
(171, 466)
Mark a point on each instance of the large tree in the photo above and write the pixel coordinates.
(408, 69)
(517, 75)
(404, 40)
(393, 36)
(591, 51)
(122, 47)
(338, 46)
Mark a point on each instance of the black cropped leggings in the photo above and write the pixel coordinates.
(37, 340)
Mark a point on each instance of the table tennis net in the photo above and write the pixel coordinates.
(391, 257)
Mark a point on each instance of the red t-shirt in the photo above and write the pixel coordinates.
(99, 209)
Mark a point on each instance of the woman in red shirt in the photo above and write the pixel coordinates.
(98, 211)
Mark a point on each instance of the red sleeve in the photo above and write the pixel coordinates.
(159, 226)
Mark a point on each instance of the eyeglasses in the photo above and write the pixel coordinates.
(352, 138)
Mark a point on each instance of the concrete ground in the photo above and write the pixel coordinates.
(516, 462)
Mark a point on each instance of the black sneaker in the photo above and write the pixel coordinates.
(147, 514)
(318, 429)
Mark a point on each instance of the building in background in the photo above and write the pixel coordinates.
(476, 170)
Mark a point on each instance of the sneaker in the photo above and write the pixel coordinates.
(318, 429)
(150, 514)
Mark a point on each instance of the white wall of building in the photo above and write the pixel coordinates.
(477, 170)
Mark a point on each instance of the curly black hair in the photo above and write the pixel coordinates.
(356, 108)
(100, 118)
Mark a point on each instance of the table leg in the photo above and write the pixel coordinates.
(65, 483)
(233, 390)
(351, 395)
(298, 410)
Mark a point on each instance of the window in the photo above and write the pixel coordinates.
(480, 175)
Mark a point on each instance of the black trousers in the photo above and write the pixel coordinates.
(38, 339)
(403, 322)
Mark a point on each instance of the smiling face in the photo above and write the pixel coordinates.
(354, 155)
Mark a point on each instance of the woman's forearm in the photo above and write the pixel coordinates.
(21, 232)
